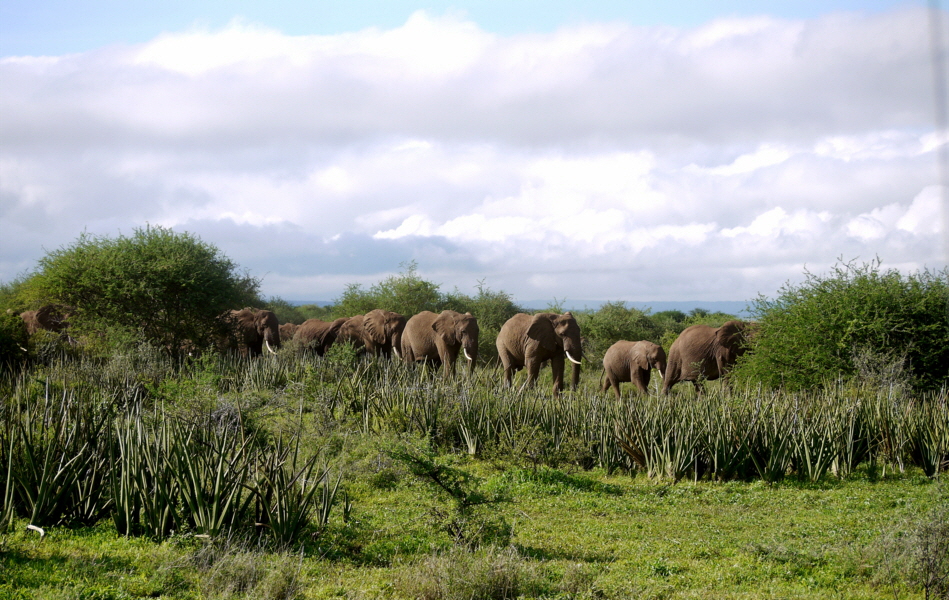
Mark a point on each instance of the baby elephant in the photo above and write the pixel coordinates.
(632, 361)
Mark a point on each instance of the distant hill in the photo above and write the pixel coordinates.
(732, 307)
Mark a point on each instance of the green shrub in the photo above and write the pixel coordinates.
(13, 341)
(820, 330)
(165, 287)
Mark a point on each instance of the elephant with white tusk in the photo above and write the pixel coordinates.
(440, 338)
(253, 330)
(529, 340)
(632, 361)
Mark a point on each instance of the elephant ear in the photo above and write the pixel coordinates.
(542, 330)
(337, 324)
(444, 326)
(374, 324)
(731, 338)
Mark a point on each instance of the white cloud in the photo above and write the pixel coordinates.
(621, 161)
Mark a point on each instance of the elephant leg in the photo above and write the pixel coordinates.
(533, 370)
(556, 367)
(508, 369)
(641, 379)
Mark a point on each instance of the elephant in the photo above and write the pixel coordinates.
(252, 330)
(529, 340)
(439, 338)
(352, 331)
(317, 336)
(52, 317)
(382, 332)
(286, 331)
(704, 352)
(632, 361)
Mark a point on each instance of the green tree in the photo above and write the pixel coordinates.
(820, 330)
(406, 293)
(168, 288)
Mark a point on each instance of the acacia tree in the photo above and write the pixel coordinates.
(824, 328)
(169, 288)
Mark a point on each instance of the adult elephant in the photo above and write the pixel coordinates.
(317, 336)
(353, 332)
(529, 340)
(382, 332)
(440, 338)
(252, 330)
(286, 331)
(632, 361)
(704, 352)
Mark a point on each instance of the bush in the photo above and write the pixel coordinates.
(819, 331)
(165, 287)
(13, 341)
(406, 293)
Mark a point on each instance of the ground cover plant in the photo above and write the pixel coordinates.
(459, 489)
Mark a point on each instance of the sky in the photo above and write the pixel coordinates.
(556, 150)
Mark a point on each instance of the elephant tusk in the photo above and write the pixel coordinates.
(396, 350)
(572, 359)
(660, 375)
(269, 349)
(466, 353)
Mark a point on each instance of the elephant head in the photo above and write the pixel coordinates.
(459, 330)
(255, 329)
(557, 333)
(286, 331)
(383, 331)
(703, 352)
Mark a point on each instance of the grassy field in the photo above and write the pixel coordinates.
(466, 490)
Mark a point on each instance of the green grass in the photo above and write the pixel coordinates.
(614, 537)
(562, 528)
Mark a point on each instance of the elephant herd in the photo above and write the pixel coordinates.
(525, 341)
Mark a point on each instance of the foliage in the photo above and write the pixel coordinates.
(466, 519)
(167, 287)
(285, 311)
(812, 332)
(405, 293)
(13, 341)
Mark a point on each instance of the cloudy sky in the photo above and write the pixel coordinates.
(635, 151)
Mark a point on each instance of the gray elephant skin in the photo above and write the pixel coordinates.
(383, 330)
(253, 330)
(440, 338)
(286, 331)
(704, 352)
(633, 362)
(315, 335)
(530, 340)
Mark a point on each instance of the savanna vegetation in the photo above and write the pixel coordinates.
(130, 469)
